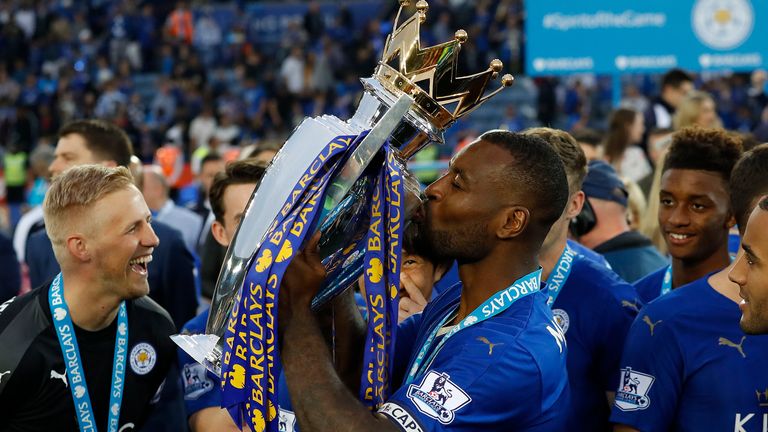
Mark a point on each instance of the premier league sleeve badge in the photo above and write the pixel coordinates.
(438, 397)
(632, 394)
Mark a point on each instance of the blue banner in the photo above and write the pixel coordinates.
(624, 36)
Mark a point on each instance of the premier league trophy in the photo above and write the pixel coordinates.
(348, 180)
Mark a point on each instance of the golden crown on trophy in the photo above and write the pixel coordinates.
(429, 74)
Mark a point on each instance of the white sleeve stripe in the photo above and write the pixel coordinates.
(401, 417)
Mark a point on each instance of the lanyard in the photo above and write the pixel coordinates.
(501, 301)
(62, 323)
(666, 283)
(559, 275)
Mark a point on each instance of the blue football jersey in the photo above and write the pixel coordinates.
(202, 389)
(588, 253)
(449, 279)
(649, 287)
(595, 309)
(502, 374)
(687, 366)
(734, 242)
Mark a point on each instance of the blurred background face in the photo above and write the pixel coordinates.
(71, 150)
(235, 199)
(707, 117)
(637, 129)
(208, 171)
(677, 94)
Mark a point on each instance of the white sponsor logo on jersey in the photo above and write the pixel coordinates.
(60, 376)
(196, 381)
(438, 397)
(632, 394)
(401, 417)
(286, 421)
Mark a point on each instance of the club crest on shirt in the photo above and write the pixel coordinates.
(196, 381)
(562, 319)
(633, 390)
(438, 397)
(287, 421)
(143, 358)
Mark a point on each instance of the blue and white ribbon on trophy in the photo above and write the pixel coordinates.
(382, 282)
(251, 363)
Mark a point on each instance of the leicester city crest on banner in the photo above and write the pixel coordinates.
(438, 397)
(633, 390)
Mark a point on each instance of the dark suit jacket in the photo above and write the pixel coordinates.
(171, 273)
(10, 272)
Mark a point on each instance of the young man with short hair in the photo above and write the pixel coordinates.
(749, 185)
(229, 195)
(172, 279)
(675, 85)
(687, 366)
(694, 209)
(90, 349)
(592, 305)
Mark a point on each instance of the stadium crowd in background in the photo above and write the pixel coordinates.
(661, 188)
(176, 72)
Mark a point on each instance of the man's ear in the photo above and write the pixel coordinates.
(575, 204)
(109, 163)
(77, 246)
(219, 233)
(514, 221)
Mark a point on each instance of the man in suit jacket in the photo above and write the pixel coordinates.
(156, 192)
(10, 283)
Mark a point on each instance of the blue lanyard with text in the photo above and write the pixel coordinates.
(559, 275)
(62, 323)
(666, 283)
(501, 301)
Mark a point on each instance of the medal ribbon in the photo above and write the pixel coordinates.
(666, 283)
(382, 281)
(65, 332)
(499, 302)
(251, 363)
(559, 275)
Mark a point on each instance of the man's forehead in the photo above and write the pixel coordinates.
(481, 157)
(756, 235)
(131, 208)
(72, 144)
